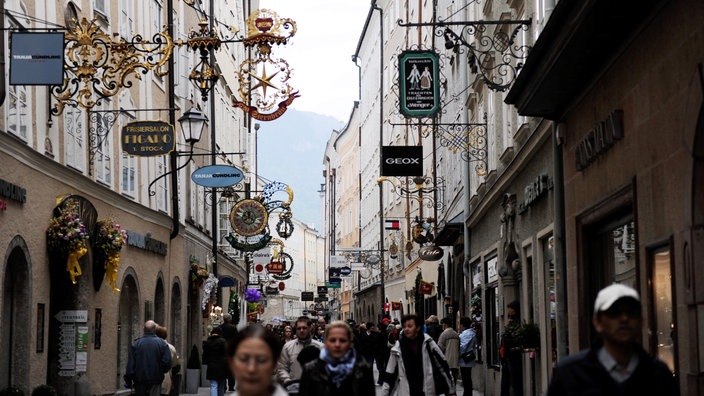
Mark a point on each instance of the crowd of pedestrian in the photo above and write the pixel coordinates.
(413, 357)
(308, 357)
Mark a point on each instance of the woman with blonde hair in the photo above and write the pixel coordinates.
(338, 370)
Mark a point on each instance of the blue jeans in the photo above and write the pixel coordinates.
(217, 387)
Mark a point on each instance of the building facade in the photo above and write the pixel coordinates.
(70, 334)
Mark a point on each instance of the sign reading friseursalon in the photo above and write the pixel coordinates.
(147, 138)
(419, 83)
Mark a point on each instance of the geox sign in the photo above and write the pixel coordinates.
(402, 160)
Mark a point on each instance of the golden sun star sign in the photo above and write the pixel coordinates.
(264, 80)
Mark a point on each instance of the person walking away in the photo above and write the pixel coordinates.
(616, 364)
(214, 356)
(229, 331)
(416, 366)
(252, 358)
(288, 369)
(468, 357)
(449, 343)
(510, 354)
(432, 326)
(148, 359)
(338, 370)
(169, 385)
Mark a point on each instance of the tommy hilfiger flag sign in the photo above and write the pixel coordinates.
(392, 225)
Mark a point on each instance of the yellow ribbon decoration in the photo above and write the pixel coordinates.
(111, 265)
(72, 266)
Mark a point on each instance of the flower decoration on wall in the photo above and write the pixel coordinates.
(67, 233)
(109, 239)
(208, 287)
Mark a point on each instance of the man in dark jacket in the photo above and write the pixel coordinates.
(229, 331)
(215, 356)
(148, 359)
(616, 365)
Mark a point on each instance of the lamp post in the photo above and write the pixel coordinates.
(192, 124)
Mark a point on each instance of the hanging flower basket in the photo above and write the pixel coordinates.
(252, 295)
(67, 234)
(109, 239)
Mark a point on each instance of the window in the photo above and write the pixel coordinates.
(100, 6)
(17, 113)
(663, 323)
(74, 138)
(103, 150)
(156, 16)
(128, 164)
(162, 191)
(609, 247)
(127, 19)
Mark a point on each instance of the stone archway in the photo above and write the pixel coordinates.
(160, 303)
(15, 311)
(128, 326)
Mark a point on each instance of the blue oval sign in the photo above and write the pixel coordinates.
(217, 176)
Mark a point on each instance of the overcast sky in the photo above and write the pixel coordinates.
(320, 53)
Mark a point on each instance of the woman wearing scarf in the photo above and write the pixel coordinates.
(337, 371)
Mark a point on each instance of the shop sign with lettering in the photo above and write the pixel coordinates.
(147, 138)
(402, 160)
(217, 176)
(419, 83)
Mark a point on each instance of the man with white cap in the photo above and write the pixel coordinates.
(616, 364)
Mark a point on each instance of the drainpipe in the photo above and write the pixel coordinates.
(2, 59)
(559, 239)
(175, 214)
(381, 143)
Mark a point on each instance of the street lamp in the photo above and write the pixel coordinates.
(192, 125)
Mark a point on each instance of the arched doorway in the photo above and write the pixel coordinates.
(176, 319)
(128, 325)
(160, 303)
(15, 314)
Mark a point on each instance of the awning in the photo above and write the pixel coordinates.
(579, 42)
(449, 232)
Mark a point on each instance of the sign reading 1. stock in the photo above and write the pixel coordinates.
(147, 138)
(419, 83)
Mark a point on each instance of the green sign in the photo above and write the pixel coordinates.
(334, 285)
(147, 138)
(419, 75)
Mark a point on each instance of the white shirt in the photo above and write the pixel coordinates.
(618, 373)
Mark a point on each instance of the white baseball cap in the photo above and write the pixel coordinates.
(612, 293)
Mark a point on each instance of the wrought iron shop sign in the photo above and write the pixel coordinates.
(147, 138)
(419, 83)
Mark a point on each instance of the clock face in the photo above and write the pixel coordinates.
(248, 217)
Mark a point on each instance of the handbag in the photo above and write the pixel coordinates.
(468, 356)
(439, 379)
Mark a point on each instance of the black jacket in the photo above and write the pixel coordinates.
(215, 357)
(316, 381)
(583, 374)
